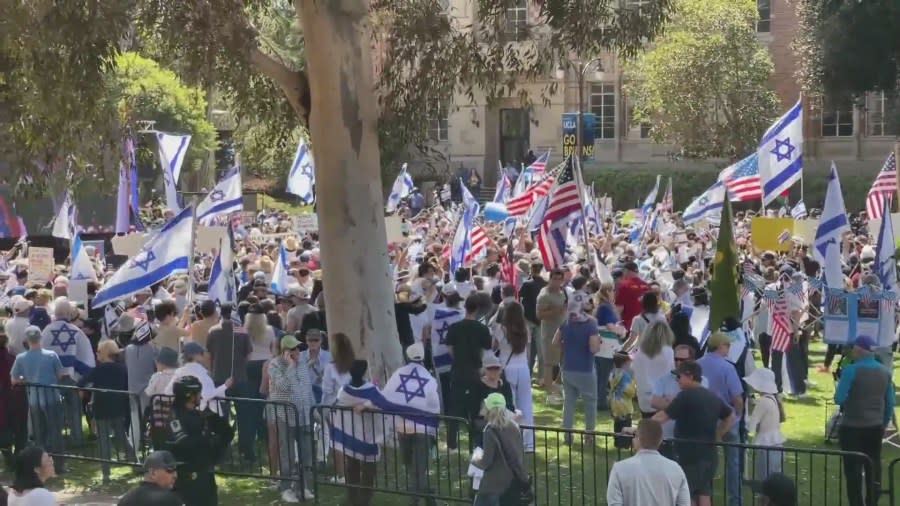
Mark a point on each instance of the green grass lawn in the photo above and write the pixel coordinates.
(566, 475)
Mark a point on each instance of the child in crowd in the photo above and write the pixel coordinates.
(622, 391)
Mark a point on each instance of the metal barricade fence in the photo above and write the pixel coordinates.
(390, 452)
(891, 480)
(82, 423)
(268, 442)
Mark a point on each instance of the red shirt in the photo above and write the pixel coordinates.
(628, 295)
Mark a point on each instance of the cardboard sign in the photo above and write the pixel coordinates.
(304, 223)
(805, 230)
(78, 290)
(248, 218)
(208, 238)
(768, 234)
(394, 229)
(40, 264)
(875, 226)
(127, 245)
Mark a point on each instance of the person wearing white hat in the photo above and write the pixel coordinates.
(15, 326)
(765, 422)
(413, 387)
(440, 317)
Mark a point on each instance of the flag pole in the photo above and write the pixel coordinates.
(580, 185)
(897, 162)
(191, 282)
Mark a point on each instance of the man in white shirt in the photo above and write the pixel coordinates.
(647, 477)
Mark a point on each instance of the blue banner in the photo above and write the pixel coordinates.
(570, 134)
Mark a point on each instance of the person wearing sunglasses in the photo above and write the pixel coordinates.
(156, 488)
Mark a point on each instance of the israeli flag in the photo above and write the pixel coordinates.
(403, 185)
(461, 240)
(650, 201)
(537, 213)
(280, 278)
(172, 150)
(886, 264)
(224, 199)
(833, 221)
(503, 188)
(221, 276)
(708, 205)
(81, 268)
(64, 224)
(799, 211)
(302, 176)
(166, 253)
(781, 154)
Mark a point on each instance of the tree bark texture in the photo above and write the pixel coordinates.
(343, 125)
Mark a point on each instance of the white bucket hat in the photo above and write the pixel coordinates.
(762, 380)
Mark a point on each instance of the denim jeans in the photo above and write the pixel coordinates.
(733, 458)
(249, 419)
(604, 367)
(111, 433)
(291, 465)
(72, 410)
(46, 421)
(534, 353)
(415, 450)
(583, 385)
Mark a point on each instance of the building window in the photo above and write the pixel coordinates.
(644, 125)
(603, 105)
(438, 125)
(517, 20)
(636, 4)
(837, 117)
(764, 8)
(883, 114)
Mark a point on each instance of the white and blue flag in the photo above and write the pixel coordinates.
(781, 154)
(221, 276)
(708, 205)
(280, 278)
(172, 150)
(302, 177)
(537, 213)
(226, 198)
(501, 194)
(833, 221)
(886, 263)
(403, 186)
(799, 211)
(166, 253)
(81, 268)
(650, 201)
(64, 224)
(461, 239)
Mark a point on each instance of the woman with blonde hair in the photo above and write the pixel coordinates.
(262, 349)
(503, 456)
(653, 360)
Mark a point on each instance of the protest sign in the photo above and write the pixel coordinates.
(394, 227)
(304, 223)
(772, 234)
(208, 238)
(866, 311)
(805, 230)
(78, 290)
(127, 245)
(40, 264)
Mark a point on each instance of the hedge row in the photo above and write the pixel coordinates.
(629, 187)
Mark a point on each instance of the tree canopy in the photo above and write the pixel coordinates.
(703, 85)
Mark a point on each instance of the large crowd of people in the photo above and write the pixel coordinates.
(618, 334)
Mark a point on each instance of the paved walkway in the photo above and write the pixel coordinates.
(73, 498)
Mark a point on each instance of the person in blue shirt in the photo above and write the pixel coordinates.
(866, 396)
(38, 366)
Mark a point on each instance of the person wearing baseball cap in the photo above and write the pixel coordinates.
(194, 356)
(160, 471)
(15, 326)
(866, 396)
(414, 387)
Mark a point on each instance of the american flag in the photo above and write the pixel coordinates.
(667, 205)
(478, 240)
(519, 205)
(781, 325)
(742, 179)
(883, 188)
(540, 164)
(564, 203)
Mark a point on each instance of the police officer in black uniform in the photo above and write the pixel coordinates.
(198, 439)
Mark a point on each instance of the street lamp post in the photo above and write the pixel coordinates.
(599, 75)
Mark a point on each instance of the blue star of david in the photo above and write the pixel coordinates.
(306, 170)
(64, 329)
(217, 195)
(704, 201)
(418, 391)
(442, 332)
(786, 144)
(78, 277)
(142, 261)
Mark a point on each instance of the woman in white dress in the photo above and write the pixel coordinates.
(337, 374)
(511, 339)
(765, 422)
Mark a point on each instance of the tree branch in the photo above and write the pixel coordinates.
(294, 84)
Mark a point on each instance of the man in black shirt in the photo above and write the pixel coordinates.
(156, 489)
(700, 416)
(467, 340)
(528, 295)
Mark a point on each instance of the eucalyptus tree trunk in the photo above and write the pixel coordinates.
(343, 119)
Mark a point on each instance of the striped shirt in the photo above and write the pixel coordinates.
(289, 384)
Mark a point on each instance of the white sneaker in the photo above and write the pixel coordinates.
(337, 479)
(289, 496)
(307, 495)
